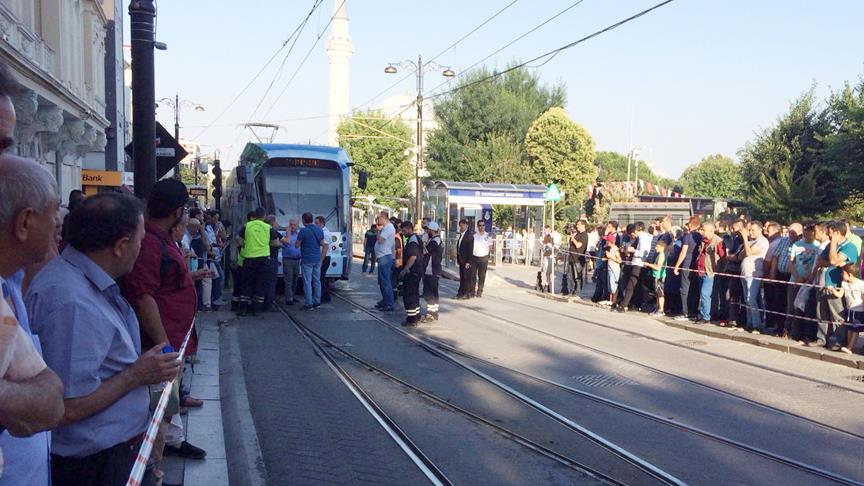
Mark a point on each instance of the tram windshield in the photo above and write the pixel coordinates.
(292, 192)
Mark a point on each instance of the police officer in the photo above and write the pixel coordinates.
(411, 274)
(432, 271)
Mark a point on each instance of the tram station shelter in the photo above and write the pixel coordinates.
(446, 202)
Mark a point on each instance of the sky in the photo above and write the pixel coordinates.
(699, 77)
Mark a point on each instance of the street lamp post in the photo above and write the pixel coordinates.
(178, 105)
(419, 69)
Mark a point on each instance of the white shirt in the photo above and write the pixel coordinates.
(752, 265)
(482, 242)
(643, 247)
(328, 238)
(388, 233)
(593, 239)
(853, 292)
(556, 238)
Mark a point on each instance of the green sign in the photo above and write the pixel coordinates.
(553, 193)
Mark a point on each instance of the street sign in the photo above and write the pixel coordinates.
(198, 191)
(553, 193)
(169, 153)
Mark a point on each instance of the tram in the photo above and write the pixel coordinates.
(289, 180)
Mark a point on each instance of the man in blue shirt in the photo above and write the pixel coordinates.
(290, 261)
(90, 336)
(312, 246)
(686, 266)
(839, 253)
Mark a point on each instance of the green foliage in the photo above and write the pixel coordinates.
(187, 174)
(611, 194)
(481, 129)
(843, 147)
(612, 167)
(786, 158)
(781, 195)
(377, 145)
(561, 151)
(715, 176)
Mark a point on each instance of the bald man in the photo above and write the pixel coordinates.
(29, 206)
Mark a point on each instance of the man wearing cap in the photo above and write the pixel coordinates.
(161, 289)
(432, 271)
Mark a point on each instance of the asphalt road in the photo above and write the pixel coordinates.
(312, 430)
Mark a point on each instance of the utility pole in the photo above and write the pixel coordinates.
(630, 150)
(419, 70)
(418, 203)
(142, 16)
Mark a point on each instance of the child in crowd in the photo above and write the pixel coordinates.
(613, 260)
(852, 288)
(659, 271)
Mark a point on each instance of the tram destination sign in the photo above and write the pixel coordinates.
(303, 162)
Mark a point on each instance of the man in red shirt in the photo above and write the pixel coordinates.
(161, 290)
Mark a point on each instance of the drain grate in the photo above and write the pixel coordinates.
(601, 381)
(828, 386)
(857, 378)
(691, 342)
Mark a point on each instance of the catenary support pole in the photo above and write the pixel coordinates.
(142, 15)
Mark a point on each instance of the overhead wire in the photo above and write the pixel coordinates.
(246, 87)
(517, 39)
(436, 56)
(296, 35)
(555, 52)
(308, 53)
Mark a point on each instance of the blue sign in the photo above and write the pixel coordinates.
(487, 193)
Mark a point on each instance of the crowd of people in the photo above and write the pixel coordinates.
(801, 281)
(405, 259)
(99, 297)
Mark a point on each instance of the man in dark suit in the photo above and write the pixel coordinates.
(464, 256)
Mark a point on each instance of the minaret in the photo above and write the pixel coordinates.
(339, 50)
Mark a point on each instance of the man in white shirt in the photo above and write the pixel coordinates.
(640, 251)
(384, 258)
(755, 248)
(482, 243)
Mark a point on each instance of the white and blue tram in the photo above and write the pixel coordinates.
(289, 180)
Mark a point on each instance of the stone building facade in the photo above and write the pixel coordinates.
(56, 49)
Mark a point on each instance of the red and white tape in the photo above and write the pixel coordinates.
(140, 465)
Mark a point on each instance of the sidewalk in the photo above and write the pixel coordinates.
(203, 425)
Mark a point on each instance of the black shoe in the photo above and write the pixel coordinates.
(621, 309)
(316, 306)
(186, 450)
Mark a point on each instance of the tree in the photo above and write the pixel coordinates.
(784, 160)
(715, 176)
(482, 126)
(843, 147)
(378, 145)
(561, 151)
(599, 212)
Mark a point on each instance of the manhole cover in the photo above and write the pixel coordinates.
(691, 342)
(602, 380)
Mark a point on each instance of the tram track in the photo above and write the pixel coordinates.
(439, 347)
(491, 315)
(651, 472)
(769, 369)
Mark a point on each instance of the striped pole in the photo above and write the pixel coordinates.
(153, 427)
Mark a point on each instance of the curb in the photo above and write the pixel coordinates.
(245, 462)
(853, 361)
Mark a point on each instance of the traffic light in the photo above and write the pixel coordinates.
(217, 183)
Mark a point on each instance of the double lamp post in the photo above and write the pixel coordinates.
(419, 69)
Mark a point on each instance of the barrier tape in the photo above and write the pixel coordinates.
(722, 274)
(143, 457)
(740, 304)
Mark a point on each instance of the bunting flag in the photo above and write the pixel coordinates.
(663, 192)
(641, 186)
(675, 194)
(651, 188)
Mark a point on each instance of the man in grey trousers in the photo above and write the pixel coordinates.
(290, 261)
